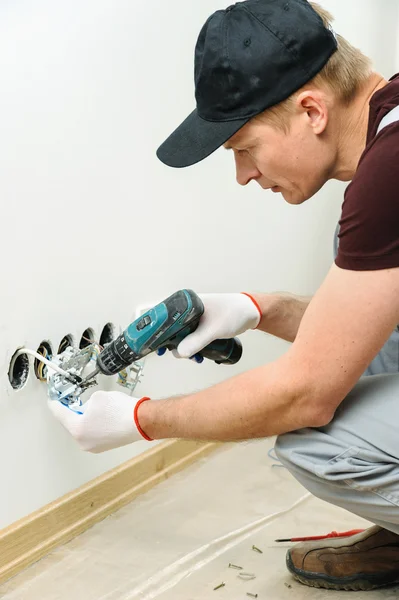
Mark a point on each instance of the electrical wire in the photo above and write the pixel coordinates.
(44, 360)
(122, 377)
(90, 341)
(40, 367)
(43, 355)
(93, 347)
(65, 343)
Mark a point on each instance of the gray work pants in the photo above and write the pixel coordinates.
(354, 461)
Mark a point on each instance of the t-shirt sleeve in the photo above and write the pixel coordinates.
(369, 225)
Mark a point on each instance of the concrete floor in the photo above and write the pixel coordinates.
(176, 541)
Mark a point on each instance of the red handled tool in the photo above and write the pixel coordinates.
(314, 538)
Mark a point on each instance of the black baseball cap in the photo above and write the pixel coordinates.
(248, 57)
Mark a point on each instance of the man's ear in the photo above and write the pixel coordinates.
(312, 104)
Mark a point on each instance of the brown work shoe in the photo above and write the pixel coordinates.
(365, 561)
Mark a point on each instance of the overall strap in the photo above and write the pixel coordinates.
(390, 118)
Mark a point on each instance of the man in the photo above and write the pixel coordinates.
(297, 106)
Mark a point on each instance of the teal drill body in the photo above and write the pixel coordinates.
(165, 326)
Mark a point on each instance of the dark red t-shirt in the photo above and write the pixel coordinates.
(369, 225)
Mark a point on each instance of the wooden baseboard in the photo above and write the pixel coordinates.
(31, 538)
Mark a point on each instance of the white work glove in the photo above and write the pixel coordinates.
(107, 420)
(225, 316)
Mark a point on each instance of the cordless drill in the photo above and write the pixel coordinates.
(163, 326)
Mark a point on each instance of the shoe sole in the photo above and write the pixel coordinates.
(361, 582)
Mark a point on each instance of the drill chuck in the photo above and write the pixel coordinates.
(116, 356)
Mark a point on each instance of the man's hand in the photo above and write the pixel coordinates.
(225, 316)
(108, 420)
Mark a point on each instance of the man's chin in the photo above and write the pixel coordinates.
(292, 197)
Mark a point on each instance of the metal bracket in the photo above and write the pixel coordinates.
(131, 376)
(74, 362)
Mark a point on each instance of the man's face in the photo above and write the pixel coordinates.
(296, 164)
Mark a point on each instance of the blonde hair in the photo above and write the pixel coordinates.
(344, 74)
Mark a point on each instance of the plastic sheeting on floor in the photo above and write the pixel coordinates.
(176, 541)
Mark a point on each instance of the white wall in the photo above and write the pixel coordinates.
(93, 225)
(371, 26)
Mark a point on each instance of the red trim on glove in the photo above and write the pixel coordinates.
(256, 304)
(136, 420)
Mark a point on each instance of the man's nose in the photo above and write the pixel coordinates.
(246, 171)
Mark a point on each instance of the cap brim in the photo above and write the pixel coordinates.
(195, 139)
